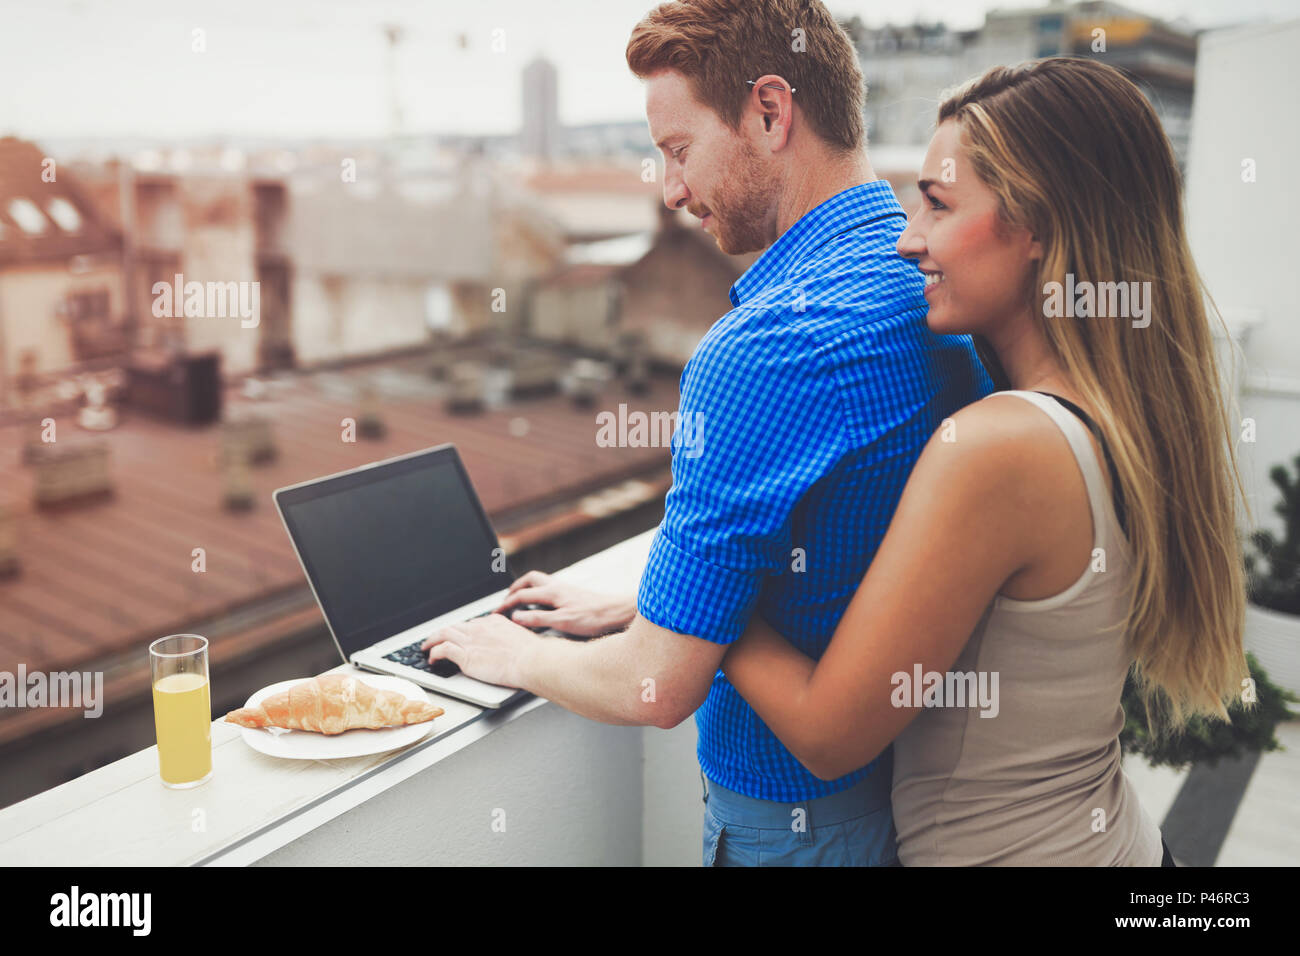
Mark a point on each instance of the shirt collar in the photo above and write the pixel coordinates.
(840, 213)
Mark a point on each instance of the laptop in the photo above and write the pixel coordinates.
(393, 551)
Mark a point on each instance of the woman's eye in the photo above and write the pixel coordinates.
(935, 204)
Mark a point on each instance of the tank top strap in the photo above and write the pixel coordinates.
(1117, 496)
(1077, 434)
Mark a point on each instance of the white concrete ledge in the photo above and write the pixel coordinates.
(530, 784)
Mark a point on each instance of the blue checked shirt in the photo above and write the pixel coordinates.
(802, 412)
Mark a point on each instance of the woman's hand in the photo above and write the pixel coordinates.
(573, 610)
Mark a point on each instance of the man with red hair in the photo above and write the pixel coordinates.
(809, 403)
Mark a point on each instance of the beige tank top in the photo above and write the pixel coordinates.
(1040, 783)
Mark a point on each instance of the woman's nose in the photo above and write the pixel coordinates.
(911, 244)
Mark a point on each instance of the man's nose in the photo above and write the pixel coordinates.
(676, 194)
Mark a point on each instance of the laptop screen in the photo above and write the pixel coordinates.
(391, 546)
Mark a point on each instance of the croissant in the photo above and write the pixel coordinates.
(333, 703)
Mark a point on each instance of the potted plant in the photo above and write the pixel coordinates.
(1206, 741)
(1272, 642)
(1273, 614)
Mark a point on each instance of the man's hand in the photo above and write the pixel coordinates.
(575, 610)
(646, 675)
(487, 648)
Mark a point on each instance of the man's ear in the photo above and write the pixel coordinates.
(771, 98)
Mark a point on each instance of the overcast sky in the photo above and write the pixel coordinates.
(81, 68)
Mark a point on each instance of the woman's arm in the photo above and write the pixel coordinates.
(964, 525)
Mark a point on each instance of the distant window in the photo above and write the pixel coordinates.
(29, 218)
(88, 306)
(64, 213)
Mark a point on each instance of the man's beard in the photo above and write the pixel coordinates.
(739, 208)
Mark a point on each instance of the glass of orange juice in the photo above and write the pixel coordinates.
(182, 709)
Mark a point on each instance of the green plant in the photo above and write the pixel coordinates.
(1278, 589)
(1205, 741)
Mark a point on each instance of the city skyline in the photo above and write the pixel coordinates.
(140, 69)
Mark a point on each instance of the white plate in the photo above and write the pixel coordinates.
(307, 745)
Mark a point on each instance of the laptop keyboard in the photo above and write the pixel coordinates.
(412, 656)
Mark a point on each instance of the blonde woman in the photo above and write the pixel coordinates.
(1050, 535)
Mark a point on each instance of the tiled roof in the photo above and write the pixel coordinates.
(25, 194)
(580, 274)
(625, 179)
(112, 576)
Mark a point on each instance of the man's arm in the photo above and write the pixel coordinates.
(644, 675)
(765, 425)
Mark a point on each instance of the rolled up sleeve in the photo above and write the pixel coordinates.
(759, 423)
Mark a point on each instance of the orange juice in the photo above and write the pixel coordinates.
(182, 714)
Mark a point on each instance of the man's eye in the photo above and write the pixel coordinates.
(679, 153)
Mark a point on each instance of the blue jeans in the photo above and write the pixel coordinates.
(854, 827)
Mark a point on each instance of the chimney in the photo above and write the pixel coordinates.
(9, 565)
(238, 486)
(465, 391)
(97, 415)
(72, 474)
(248, 439)
(587, 378)
(369, 422)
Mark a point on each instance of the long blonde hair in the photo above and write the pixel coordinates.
(1076, 154)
